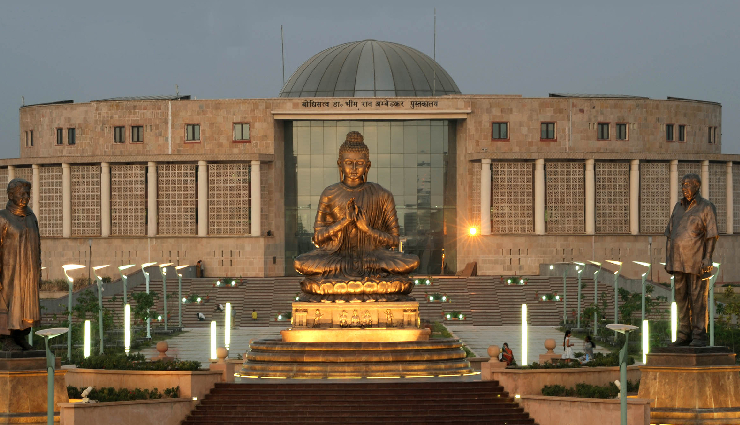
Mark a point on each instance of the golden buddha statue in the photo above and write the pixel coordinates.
(356, 226)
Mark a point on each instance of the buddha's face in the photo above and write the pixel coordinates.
(353, 167)
(689, 187)
(20, 196)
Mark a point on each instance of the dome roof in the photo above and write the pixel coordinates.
(369, 68)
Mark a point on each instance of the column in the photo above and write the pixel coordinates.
(539, 197)
(11, 174)
(730, 200)
(485, 197)
(635, 197)
(66, 201)
(705, 179)
(35, 190)
(202, 198)
(673, 184)
(256, 206)
(104, 199)
(590, 185)
(152, 199)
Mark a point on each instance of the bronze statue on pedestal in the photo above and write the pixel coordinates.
(691, 237)
(356, 226)
(20, 268)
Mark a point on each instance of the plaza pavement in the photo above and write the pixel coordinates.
(194, 343)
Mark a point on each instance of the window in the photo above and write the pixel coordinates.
(547, 131)
(669, 132)
(500, 131)
(681, 133)
(192, 132)
(622, 131)
(119, 134)
(137, 134)
(603, 131)
(29, 138)
(60, 136)
(241, 132)
(71, 136)
(712, 135)
(709, 135)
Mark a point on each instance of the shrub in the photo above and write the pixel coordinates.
(134, 362)
(599, 359)
(588, 391)
(109, 394)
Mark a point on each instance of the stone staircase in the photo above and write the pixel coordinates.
(363, 402)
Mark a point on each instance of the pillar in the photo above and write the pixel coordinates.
(152, 199)
(202, 198)
(35, 190)
(104, 199)
(539, 197)
(635, 197)
(66, 201)
(673, 184)
(705, 179)
(730, 200)
(256, 206)
(590, 185)
(485, 197)
(11, 173)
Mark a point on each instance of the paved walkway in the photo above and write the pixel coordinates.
(194, 344)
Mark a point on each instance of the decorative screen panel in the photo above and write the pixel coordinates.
(655, 208)
(475, 195)
(612, 197)
(228, 199)
(25, 174)
(686, 168)
(4, 177)
(736, 198)
(566, 197)
(176, 199)
(50, 201)
(85, 200)
(512, 198)
(128, 200)
(718, 193)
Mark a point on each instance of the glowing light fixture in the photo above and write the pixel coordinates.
(596, 295)
(124, 278)
(50, 365)
(213, 340)
(524, 335)
(644, 322)
(227, 322)
(71, 281)
(179, 294)
(645, 340)
(674, 321)
(148, 319)
(99, 281)
(127, 327)
(86, 346)
(616, 292)
(473, 231)
(580, 267)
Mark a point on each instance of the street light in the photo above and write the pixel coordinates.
(712, 280)
(616, 292)
(71, 281)
(645, 328)
(674, 312)
(124, 278)
(99, 281)
(596, 295)
(47, 334)
(524, 334)
(163, 270)
(179, 295)
(579, 268)
(624, 329)
(148, 319)
(227, 326)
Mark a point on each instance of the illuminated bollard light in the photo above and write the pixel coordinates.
(213, 340)
(645, 341)
(127, 327)
(227, 322)
(86, 347)
(524, 335)
(674, 321)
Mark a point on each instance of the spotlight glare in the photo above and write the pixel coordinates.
(473, 231)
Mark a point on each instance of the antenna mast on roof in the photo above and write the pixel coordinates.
(177, 91)
(282, 49)
(434, 87)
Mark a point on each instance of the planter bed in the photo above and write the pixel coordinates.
(584, 411)
(142, 412)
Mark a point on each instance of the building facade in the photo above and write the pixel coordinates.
(235, 182)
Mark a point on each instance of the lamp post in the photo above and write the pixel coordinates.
(148, 319)
(645, 328)
(47, 334)
(579, 269)
(124, 279)
(712, 280)
(71, 281)
(674, 313)
(99, 281)
(179, 295)
(163, 270)
(624, 329)
(596, 296)
(616, 292)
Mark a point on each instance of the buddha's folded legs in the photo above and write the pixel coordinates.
(377, 263)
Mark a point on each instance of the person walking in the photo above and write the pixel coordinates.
(588, 348)
(567, 347)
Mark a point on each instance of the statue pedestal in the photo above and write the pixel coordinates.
(692, 385)
(365, 315)
(23, 388)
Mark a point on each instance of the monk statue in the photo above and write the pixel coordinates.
(20, 268)
(356, 226)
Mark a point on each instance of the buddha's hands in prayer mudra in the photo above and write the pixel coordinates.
(356, 215)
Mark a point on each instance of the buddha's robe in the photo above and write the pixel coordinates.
(20, 270)
(352, 254)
